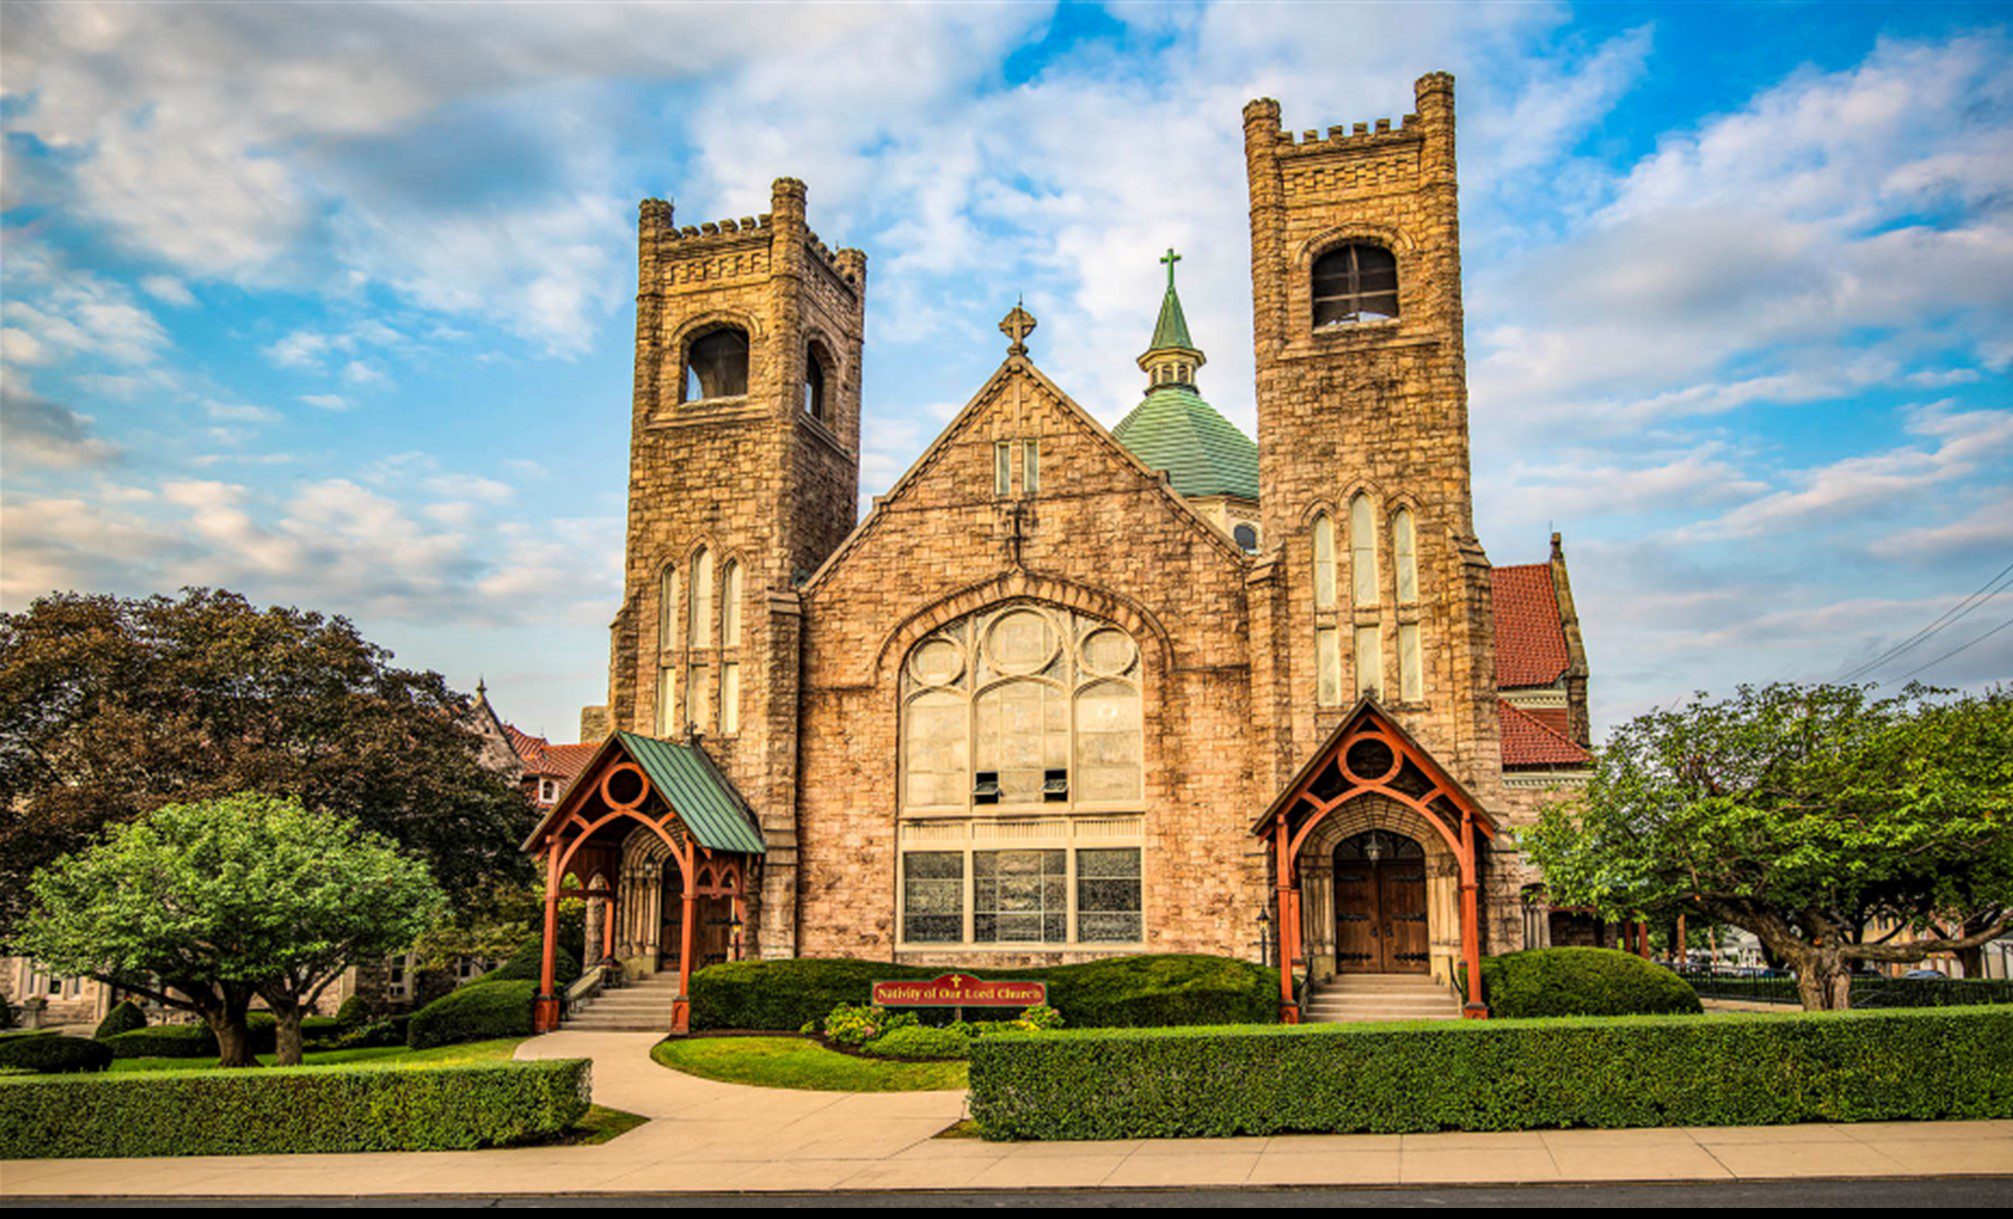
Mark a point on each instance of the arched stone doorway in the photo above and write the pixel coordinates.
(1380, 904)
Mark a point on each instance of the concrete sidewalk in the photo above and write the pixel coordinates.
(708, 1136)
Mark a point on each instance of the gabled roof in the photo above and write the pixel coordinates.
(542, 757)
(1014, 365)
(1203, 453)
(705, 800)
(1370, 709)
(1531, 645)
(1537, 738)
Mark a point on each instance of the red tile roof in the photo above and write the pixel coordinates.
(1529, 740)
(542, 757)
(1530, 638)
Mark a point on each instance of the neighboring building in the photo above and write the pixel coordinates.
(1068, 692)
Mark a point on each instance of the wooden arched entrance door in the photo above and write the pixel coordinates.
(1380, 905)
(713, 921)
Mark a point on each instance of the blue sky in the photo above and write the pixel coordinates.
(332, 305)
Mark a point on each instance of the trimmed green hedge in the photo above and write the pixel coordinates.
(49, 1054)
(124, 1017)
(1582, 982)
(291, 1110)
(1119, 992)
(476, 1012)
(1715, 1070)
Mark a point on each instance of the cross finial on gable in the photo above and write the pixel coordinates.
(1017, 325)
(1170, 258)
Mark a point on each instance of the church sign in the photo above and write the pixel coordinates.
(959, 990)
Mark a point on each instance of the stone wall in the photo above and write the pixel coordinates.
(1104, 537)
(753, 478)
(1377, 407)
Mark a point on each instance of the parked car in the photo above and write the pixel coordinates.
(1927, 974)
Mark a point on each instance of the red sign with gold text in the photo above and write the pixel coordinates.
(959, 990)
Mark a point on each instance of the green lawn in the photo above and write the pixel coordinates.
(797, 1062)
(383, 1055)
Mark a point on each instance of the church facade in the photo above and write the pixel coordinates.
(1065, 691)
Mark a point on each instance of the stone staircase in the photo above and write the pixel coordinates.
(641, 1006)
(1353, 997)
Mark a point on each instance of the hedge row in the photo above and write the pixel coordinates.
(1119, 992)
(476, 1012)
(1730, 1070)
(1582, 982)
(51, 1054)
(290, 1110)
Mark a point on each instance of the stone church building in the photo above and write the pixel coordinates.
(1069, 692)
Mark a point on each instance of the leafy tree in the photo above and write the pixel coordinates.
(202, 906)
(1807, 815)
(110, 707)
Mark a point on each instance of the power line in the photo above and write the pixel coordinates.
(1954, 651)
(1950, 617)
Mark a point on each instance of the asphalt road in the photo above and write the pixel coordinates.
(1919, 1192)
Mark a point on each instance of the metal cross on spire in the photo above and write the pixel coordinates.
(1170, 258)
(1017, 326)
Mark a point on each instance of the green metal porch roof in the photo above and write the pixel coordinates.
(702, 797)
(1203, 453)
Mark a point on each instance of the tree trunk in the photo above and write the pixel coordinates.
(1822, 981)
(234, 1037)
(288, 1045)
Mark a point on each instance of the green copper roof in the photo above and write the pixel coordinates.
(701, 796)
(1203, 453)
(1172, 328)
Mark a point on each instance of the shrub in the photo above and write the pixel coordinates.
(854, 1024)
(917, 1041)
(524, 964)
(6, 1013)
(1582, 982)
(124, 1017)
(473, 1013)
(1116, 992)
(353, 1012)
(292, 1110)
(1718, 1070)
(49, 1054)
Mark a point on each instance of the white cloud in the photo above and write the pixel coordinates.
(1886, 483)
(326, 402)
(45, 434)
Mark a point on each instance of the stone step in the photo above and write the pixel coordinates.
(1379, 1000)
(1380, 982)
(1350, 1018)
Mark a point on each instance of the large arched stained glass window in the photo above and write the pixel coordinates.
(1021, 705)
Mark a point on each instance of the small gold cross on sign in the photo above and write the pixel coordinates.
(1017, 326)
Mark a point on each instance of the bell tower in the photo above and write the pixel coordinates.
(1363, 425)
(743, 477)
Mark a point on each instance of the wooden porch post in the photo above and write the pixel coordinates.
(608, 912)
(681, 1007)
(545, 1009)
(1289, 1009)
(1477, 1007)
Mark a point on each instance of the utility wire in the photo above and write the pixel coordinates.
(1991, 588)
(1954, 651)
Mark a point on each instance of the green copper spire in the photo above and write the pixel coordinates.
(1172, 328)
(1174, 430)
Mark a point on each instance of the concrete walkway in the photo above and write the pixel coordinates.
(708, 1136)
